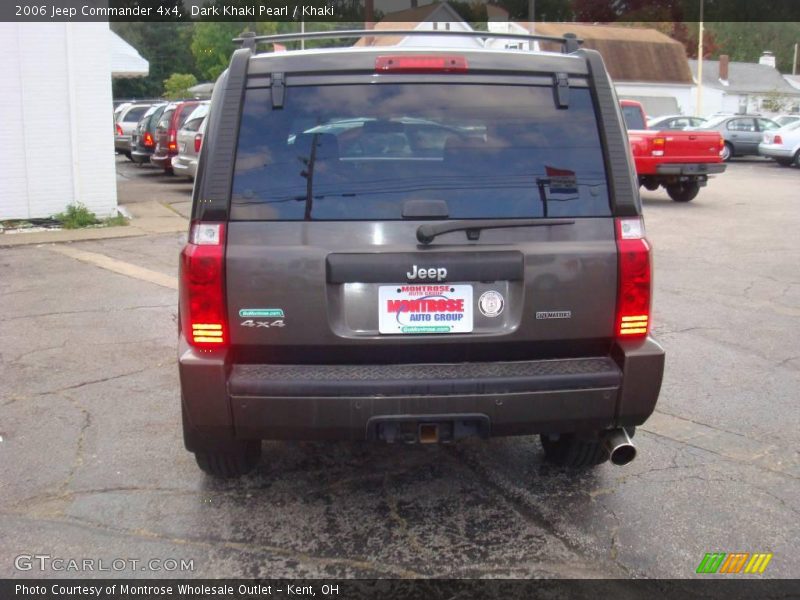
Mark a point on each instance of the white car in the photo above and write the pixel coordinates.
(782, 145)
(125, 122)
(785, 120)
(190, 139)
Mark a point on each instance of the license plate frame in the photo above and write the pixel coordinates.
(425, 309)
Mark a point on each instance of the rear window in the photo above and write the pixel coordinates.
(136, 113)
(186, 110)
(193, 124)
(633, 117)
(358, 152)
(166, 116)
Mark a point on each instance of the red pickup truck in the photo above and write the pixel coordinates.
(681, 161)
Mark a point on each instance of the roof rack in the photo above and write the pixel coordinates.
(569, 43)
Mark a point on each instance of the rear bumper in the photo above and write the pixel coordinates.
(141, 155)
(162, 161)
(690, 168)
(122, 143)
(336, 402)
(184, 166)
(774, 151)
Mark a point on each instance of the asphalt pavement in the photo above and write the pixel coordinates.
(92, 463)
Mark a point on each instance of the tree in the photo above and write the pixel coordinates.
(177, 85)
(212, 47)
(747, 41)
(776, 102)
(165, 45)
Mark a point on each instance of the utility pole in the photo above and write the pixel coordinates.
(794, 60)
(698, 105)
(302, 31)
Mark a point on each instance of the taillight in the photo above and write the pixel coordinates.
(148, 140)
(658, 146)
(634, 279)
(119, 130)
(173, 140)
(777, 139)
(421, 64)
(198, 142)
(202, 286)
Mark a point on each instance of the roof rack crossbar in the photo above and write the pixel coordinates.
(569, 42)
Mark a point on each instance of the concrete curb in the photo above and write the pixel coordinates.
(146, 218)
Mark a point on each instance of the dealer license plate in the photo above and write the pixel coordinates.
(424, 309)
(183, 147)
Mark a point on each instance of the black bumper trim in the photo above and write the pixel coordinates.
(422, 379)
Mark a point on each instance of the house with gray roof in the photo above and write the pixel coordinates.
(739, 87)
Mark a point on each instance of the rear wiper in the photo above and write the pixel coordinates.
(426, 233)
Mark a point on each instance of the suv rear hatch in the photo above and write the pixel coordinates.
(324, 262)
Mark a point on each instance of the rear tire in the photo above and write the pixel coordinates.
(574, 451)
(785, 162)
(727, 152)
(683, 192)
(231, 463)
(797, 159)
(223, 459)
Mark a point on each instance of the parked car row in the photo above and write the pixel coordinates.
(166, 134)
(742, 134)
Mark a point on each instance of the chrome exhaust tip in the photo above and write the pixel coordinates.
(620, 448)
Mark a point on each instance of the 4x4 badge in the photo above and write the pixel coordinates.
(267, 324)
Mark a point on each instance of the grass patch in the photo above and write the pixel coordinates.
(76, 216)
(117, 221)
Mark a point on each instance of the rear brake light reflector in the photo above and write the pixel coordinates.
(658, 146)
(777, 139)
(198, 142)
(148, 140)
(206, 234)
(634, 279)
(118, 130)
(421, 64)
(202, 287)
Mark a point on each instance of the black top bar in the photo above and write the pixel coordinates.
(248, 40)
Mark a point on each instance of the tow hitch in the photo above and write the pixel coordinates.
(427, 429)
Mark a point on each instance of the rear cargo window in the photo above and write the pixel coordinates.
(633, 117)
(361, 152)
(134, 114)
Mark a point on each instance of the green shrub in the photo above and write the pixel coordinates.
(76, 216)
(178, 84)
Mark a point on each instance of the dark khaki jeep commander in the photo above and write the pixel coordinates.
(415, 245)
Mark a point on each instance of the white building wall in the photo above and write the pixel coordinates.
(443, 41)
(680, 93)
(56, 133)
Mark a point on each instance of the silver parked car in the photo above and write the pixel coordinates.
(674, 122)
(190, 140)
(782, 145)
(742, 133)
(125, 123)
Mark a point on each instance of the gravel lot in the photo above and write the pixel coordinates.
(92, 463)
